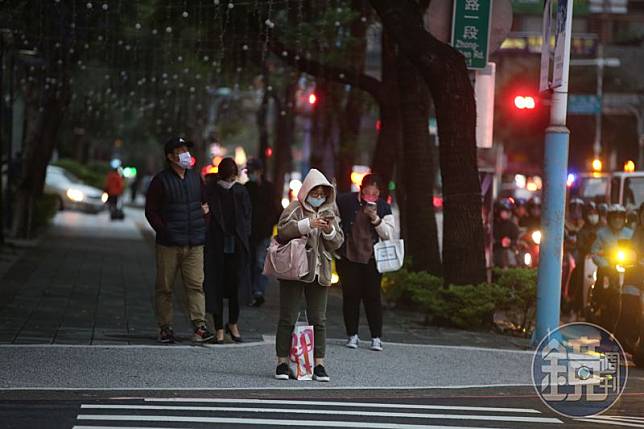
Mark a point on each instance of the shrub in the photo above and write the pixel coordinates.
(469, 306)
(45, 208)
(92, 174)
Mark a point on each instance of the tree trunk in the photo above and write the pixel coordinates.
(284, 129)
(418, 173)
(389, 143)
(350, 125)
(42, 132)
(444, 71)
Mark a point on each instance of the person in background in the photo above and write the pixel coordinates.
(114, 187)
(607, 237)
(134, 188)
(313, 215)
(585, 239)
(266, 210)
(638, 236)
(533, 220)
(365, 219)
(575, 216)
(602, 208)
(505, 235)
(176, 209)
(520, 212)
(227, 256)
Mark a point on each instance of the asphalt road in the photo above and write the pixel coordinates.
(493, 407)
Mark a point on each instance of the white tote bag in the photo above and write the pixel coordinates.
(389, 255)
(302, 344)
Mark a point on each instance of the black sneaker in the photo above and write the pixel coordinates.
(319, 374)
(258, 301)
(166, 335)
(283, 372)
(202, 335)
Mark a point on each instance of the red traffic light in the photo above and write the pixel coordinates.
(525, 102)
(268, 152)
(313, 99)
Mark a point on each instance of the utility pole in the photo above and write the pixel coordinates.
(555, 173)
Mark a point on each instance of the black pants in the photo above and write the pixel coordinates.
(231, 283)
(360, 283)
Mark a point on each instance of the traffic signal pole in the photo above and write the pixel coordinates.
(553, 215)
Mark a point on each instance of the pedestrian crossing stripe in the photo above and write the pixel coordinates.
(499, 418)
(289, 413)
(623, 421)
(344, 404)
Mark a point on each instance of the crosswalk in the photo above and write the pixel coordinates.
(176, 413)
(619, 421)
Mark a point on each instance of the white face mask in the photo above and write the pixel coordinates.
(593, 219)
(185, 160)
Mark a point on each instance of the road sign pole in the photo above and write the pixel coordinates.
(555, 172)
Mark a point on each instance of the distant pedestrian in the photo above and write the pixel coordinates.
(114, 187)
(227, 260)
(266, 211)
(134, 188)
(365, 218)
(313, 215)
(176, 209)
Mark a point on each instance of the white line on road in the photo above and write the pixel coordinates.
(311, 387)
(271, 422)
(344, 404)
(611, 422)
(497, 418)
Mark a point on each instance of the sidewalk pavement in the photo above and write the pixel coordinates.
(89, 281)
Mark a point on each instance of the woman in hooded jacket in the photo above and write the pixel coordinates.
(313, 215)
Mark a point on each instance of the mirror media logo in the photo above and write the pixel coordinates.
(579, 370)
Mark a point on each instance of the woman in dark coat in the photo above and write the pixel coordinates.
(226, 257)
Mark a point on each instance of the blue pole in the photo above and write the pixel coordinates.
(552, 221)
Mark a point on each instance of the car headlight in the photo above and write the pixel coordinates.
(536, 237)
(75, 195)
(104, 197)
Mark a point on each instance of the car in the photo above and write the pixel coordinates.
(72, 193)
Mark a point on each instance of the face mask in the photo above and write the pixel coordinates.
(315, 202)
(617, 224)
(504, 215)
(185, 160)
(370, 198)
(593, 219)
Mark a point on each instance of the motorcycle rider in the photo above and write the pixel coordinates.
(520, 211)
(606, 290)
(603, 213)
(575, 218)
(506, 234)
(533, 220)
(585, 239)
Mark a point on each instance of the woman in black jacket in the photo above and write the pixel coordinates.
(227, 252)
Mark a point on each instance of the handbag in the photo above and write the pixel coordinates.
(287, 261)
(301, 354)
(389, 255)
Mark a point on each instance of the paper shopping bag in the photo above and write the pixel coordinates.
(302, 351)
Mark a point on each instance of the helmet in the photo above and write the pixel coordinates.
(589, 207)
(576, 202)
(534, 202)
(615, 209)
(504, 204)
(520, 202)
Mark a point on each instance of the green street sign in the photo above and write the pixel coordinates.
(471, 31)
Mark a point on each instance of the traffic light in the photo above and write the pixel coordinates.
(525, 102)
(268, 152)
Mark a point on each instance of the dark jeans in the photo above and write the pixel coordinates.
(290, 303)
(260, 281)
(360, 283)
(231, 281)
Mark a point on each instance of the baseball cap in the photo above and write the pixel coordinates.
(176, 142)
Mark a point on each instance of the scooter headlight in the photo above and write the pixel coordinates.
(527, 259)
(620, 269)
(536, 237)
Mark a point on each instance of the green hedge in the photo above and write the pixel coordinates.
(45, 208)
(513, 294)
(92, 174)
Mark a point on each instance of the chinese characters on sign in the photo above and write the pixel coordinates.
(471, 31)
(579, 370)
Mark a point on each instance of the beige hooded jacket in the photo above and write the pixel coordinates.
(295, 222)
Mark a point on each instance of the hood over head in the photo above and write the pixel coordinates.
(315, 178)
